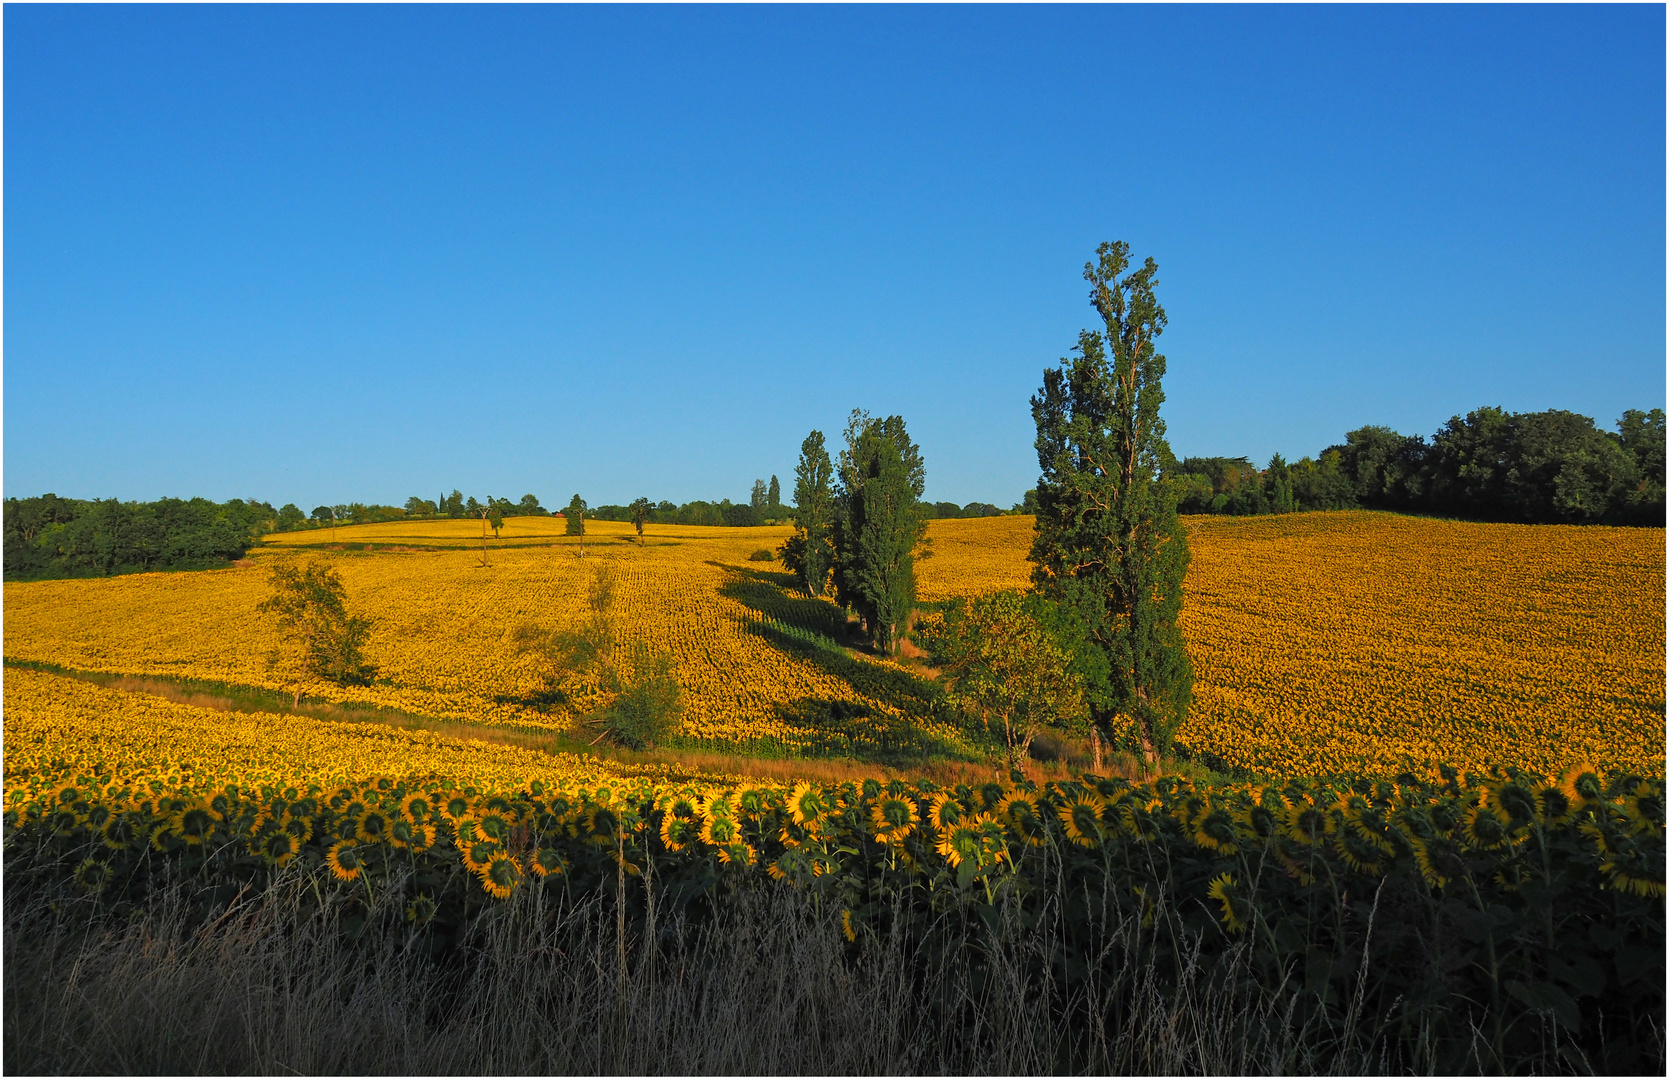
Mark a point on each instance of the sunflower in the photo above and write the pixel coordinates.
(1486, 827)
(478, 854)
(945, 812)
(63, 821)
(719, 831)
(547, 861)
(373, 827)
(1358, 853)
(279, 848)
(193, 824)
(298, 826)
(846, 924)
(1081, 819)
(1214, 830)
(893, 817)
(1553, 806)
(737, 853)
(92, 875)
(495, 824)
(601, 823)
(1515, 799)
(1425, 860)
(421, 911)
(678, 832)
(1234, 907)
(1583, 785)
(960, 842)
(806, 803)
(753, 802)
(345, 860)
(415, 808)
(1020, 809)
(500, 875)
(1305, 822)
(454, 807)
(123, 831)
(1643, 807)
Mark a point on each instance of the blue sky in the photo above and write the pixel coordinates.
(330, 254)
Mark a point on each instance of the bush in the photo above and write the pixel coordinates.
(762, 555)
(650, 701)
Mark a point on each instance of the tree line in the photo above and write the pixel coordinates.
(51, 537)
(1534, 467)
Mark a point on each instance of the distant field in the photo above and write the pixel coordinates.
(1322, 643)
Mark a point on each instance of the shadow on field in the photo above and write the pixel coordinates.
(816, 631)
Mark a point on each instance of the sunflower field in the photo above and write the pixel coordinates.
(1546, 890)
(1324, 644)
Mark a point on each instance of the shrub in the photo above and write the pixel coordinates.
(762, 555)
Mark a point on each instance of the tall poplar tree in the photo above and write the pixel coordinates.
(1107, 540)
(880, 525)
(810, 552)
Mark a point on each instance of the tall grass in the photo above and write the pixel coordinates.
(298, 979)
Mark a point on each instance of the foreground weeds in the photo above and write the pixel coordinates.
(296, 979)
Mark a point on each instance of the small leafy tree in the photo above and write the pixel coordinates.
(642, 511)
(1107, 540)
(809, 553)
(321, 638)
(635, 697)
(574, 514)
(757, 497)
(774, 496)
(1006, 668)
(880, 525)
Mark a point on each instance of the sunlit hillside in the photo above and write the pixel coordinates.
(1322, 643)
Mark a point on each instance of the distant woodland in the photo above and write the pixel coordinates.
(1491, 465)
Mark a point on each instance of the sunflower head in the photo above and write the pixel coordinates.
(677, 832)
(1487, 826)
(806, 803)
(547, 861)
(1020, 810)
(719, 831)
(500, 875)
(1583, 785)
(1081, 821)
(345, 860)
(1214, 830)
(893, 817)
(421, 911)
(478, 854)
(278, 848)
(1236, 910)
(123, 831)
(945, 812)
(92, 875)
(455, 807)
(372, 827)
(737, 853)
(193, 824)
(495, 824)
(415, 808)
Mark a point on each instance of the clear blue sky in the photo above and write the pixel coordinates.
(329, 254)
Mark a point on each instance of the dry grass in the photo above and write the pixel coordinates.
(272, 985)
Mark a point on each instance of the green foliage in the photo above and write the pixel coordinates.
(322, 638)
(1545, 467)
(643, 511)
(51, 537)
(1005, 668)
(1475, 928)
(762, 555)
(809, 554)
(879, 525)
(575, 516)
(1108, 542)
(773, 496)
(649, 703)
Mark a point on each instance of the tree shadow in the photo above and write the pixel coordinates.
(816, 631)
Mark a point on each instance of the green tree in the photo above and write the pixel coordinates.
(879, 526)
(642, 511)
(290, 517)
(575, 516)
(1108, 541)
(1005, 667)
(809, 553)
(756, 498)
(774, 495)
(320, 637)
